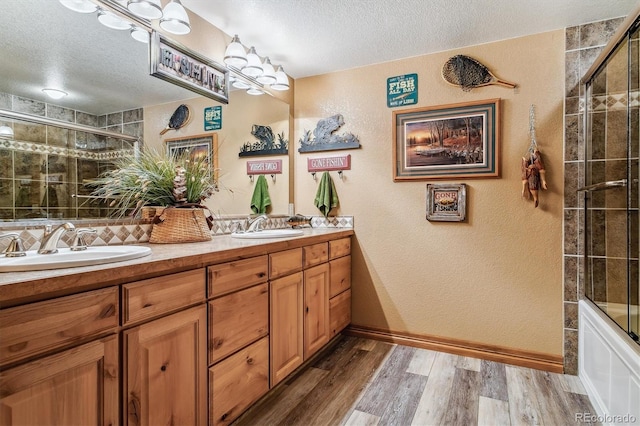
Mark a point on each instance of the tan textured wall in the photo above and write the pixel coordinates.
(238, 117)
(494, 279)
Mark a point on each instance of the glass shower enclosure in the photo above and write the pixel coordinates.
(612, 135)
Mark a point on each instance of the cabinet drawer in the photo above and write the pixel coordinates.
(340, 275)
(231, 276)
(150, 298)
(285, 262)
(236, 320)
(315, 254)
(39, 327)
(339, 248)
(340, 312)
(237, 382)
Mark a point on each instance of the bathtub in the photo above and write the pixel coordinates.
(609, 365)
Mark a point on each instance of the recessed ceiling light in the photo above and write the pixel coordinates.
(55, 93)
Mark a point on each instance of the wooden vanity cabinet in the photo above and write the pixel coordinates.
(238, 312)
(340, 285)
(78, 386)
(164, 377)
(62, 358)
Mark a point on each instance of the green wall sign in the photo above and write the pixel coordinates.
(212, 118)
(402, 90)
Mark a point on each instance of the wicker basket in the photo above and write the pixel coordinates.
(180, 225)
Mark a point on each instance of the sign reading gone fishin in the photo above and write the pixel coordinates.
(321, 164)
(179, 65)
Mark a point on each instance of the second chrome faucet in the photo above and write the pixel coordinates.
(49, 244)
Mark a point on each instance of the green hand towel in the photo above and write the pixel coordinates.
(326, 197)
(260, 199)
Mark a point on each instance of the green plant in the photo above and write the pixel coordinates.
(155, 179)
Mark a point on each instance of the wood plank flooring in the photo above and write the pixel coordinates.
(364, 382)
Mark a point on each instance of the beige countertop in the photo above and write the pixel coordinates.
(22, 287)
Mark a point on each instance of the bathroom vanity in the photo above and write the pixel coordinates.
(192, 334)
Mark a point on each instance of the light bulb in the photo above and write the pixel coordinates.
(268, 75)
(235, 55)
(282, 81)
(148, 9)
(175, 19)
(254, 65)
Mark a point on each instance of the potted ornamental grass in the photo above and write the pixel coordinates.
(171, 187)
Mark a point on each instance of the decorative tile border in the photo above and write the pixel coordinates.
(614, 101)
(131, 232)
(68, 152)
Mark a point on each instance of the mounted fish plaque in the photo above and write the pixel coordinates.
(177, 64)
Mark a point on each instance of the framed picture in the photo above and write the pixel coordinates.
(446, 202)
(198, 146)
(447, 141)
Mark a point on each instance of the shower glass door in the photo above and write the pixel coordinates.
(612, 136)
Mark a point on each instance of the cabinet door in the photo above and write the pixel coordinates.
(340, 275)
(76, 387)
(286, 326)
(165, 370)
(340, 312)
(316, 310)
(238, 381)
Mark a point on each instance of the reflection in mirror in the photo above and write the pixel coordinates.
(106, 76)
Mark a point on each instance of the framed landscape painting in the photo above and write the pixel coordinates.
(448, 141)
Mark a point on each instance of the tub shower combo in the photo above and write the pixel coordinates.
(609, 329)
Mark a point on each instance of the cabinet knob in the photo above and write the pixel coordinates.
(249, 361)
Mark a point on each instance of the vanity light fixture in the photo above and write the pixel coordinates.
(148, 9)
(255, 91)
(235, 55)
(268, 75)
(110, 20)
(55, 93)
(282, 80)
(139, 34)
(6, 132)
(237, 83)
(80, 6)
(175, 19)
(254, 64)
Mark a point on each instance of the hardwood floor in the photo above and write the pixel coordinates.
(366, 382)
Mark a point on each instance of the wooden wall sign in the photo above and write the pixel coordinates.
(321, 164)
(177, 64)
(264, 167)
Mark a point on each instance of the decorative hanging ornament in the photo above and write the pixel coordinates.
(532, 166)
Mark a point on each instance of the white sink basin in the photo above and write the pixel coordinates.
(66, 258)
(268, 233)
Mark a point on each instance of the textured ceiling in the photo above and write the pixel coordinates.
(310, 37)
(43, 44)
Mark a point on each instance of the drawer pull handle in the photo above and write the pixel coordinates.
(163, 368)
(224, 416)
(250, 361)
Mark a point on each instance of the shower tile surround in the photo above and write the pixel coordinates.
(43, 165)
(123, 231)
(583, 44)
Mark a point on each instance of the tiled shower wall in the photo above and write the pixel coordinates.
(42, 166)
(583, 44)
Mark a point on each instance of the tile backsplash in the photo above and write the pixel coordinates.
(119, 232)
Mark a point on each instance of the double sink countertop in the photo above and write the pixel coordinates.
(23, 287)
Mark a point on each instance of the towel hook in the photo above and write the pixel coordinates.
(313, 175)
(340, 174)
(251, 178)
(274, 178)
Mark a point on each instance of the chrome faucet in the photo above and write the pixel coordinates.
(50, 238)
(257, 223)
(15, 248)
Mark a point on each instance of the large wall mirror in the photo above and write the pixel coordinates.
(105, 73)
